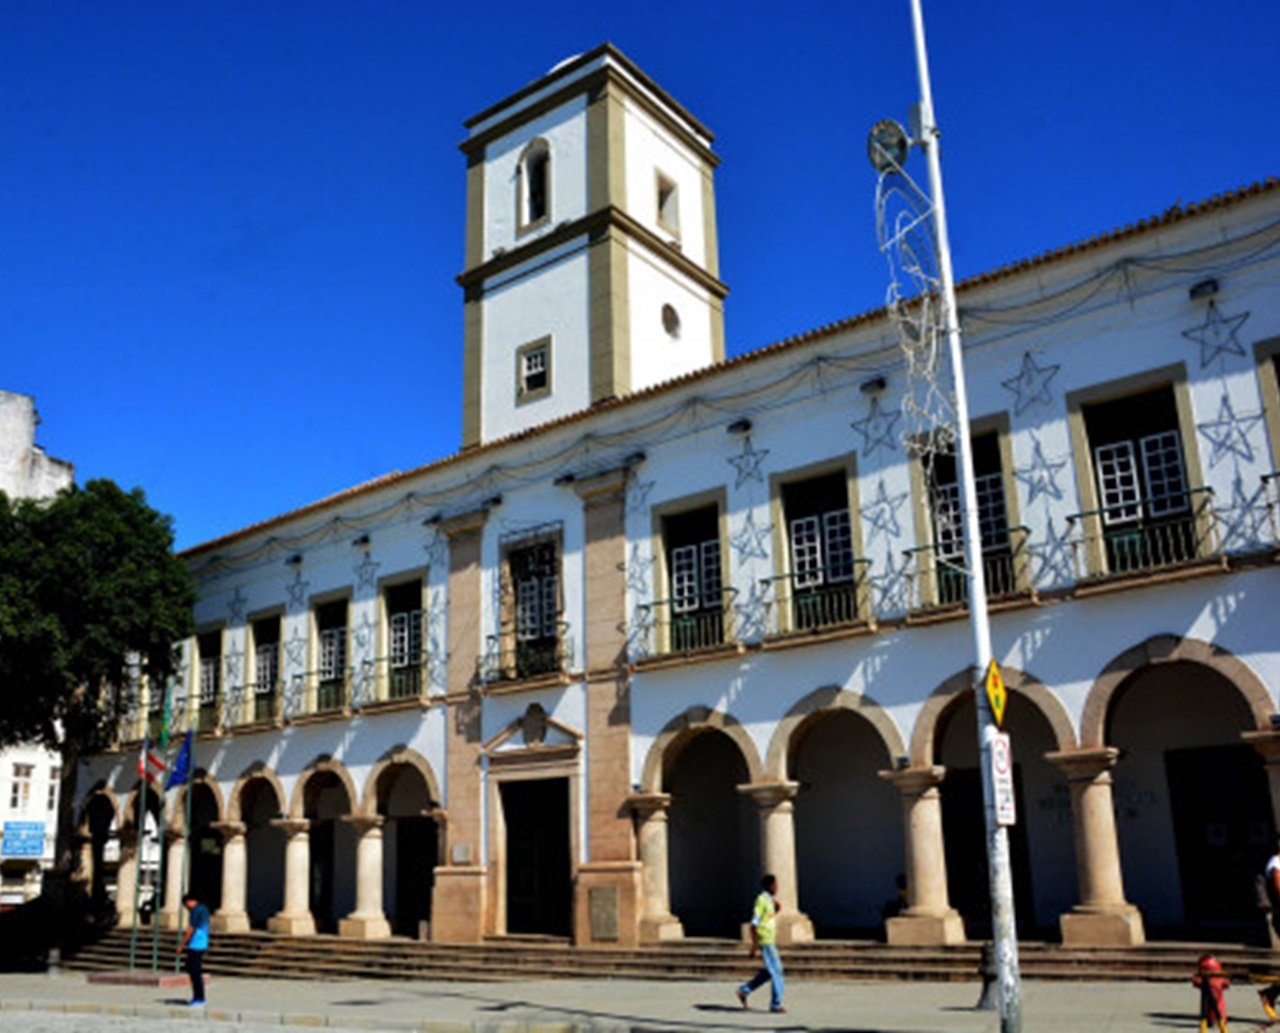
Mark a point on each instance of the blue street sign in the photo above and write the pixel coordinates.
(23, 839)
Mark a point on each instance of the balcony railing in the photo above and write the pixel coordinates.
(811, 601)
(1271, 492)
(667, 630)
(940, 580)
(397, 678)
(1104, 543)
(507, 658)
(318, 692)
(265, 697)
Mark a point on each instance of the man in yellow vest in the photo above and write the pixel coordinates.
(764, 936)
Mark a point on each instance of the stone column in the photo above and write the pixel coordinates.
(1268, 744)
(126, 877)
(778, 854)
(1103, 918)
(232, 916)
(929, 919)
(368, 921)
(295, 917)
(656, 920)
(173, 870)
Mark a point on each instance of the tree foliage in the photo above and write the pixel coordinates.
(88, 583)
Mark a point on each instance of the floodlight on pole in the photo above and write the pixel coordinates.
(887, 147)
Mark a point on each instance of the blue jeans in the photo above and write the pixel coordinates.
(771, 973)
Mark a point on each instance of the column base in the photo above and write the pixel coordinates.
(606, 903)
(458, 904)
(292, 925)
(794, 927)
(364, 927)
(1103, 927)
(168, 920)
(925, 930)
(124, 920)
(230, 922)
(657, 928)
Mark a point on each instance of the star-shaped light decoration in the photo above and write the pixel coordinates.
(1244, 521)
(749, 541)
(236, 606)
(748, 464)
(751, 613)
(877, 428)
(638, 495)
(297, 590)
(1053, 555)
(1229, 433)
(1041, 475)
(437, 550)
(639, 564)
(1217, 335)
(640, 633)
(882, 514)
(1031, 385)
(295, 651)
(365, 571)
(891, 586)
(363, 632)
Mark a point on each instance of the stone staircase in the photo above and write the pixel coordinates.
(261, 955)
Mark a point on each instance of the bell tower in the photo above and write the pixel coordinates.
(592, 268)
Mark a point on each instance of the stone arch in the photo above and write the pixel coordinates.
(125, 814)
(322, 764)
(1165, 649)
(100, 788)
(826, 699)
(397, 755)
(178, 813)
(1028, 687)
(255, 770)
(680, 729)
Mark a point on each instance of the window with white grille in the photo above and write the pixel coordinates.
(1138, 462)
(333, 653)
(1117, 470)
(406, 638)
(208, 680)
(695, 577)
(536, 577)
(268, 666)
(533, 370)
(1163, 473)
(20, 791)
(988, 482)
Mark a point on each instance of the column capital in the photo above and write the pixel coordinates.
(363, 823)
(915, 781)
(1266, 743)
(770, 794)
(228, 829)
(648, 804)
(1086, 764)
(292, 826)
(174, 835)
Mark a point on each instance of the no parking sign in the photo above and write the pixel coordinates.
(1002, 778)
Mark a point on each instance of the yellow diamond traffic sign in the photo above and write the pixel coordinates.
(997, 695)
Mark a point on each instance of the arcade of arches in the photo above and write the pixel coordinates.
(1169, 789)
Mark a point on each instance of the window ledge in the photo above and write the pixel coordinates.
(924, 615)
(692, 656)
(1102, 584)
(512, 686)
(382, 706)
(833, 633)
(338, 714)
(252, 727)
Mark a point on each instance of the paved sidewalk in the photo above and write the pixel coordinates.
(31, 1002)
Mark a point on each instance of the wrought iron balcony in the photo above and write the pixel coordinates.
(669, 626)
(507, 658)
(813, 601)
(940, 579)
(318, 692)
(264, 698)
(1122, 541)
(395, 678)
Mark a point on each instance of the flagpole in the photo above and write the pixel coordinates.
(137, 876)
(186, 843)
(158, 888)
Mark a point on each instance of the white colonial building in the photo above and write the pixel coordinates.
(667, 620)
(29, 775)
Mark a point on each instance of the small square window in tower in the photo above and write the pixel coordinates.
(1145, 501)
(668, 205)
(822, 585)
(993, 523)
(695, 613)
(533, 370)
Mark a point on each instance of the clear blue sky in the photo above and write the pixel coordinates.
(229, 230)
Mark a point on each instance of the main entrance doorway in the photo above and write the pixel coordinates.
(539, 869)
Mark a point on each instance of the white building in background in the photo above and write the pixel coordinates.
(29, 775)
(666, 619)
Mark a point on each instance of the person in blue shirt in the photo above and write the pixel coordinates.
(195, 941)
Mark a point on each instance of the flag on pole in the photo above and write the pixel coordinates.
(150, 764)
(181, 764)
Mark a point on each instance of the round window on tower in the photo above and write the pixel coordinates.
(671, 321)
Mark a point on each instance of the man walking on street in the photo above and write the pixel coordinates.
(764, 936)
(195, 941)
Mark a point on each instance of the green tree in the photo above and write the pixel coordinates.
(89, 586)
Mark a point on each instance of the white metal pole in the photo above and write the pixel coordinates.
(1004, 931)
